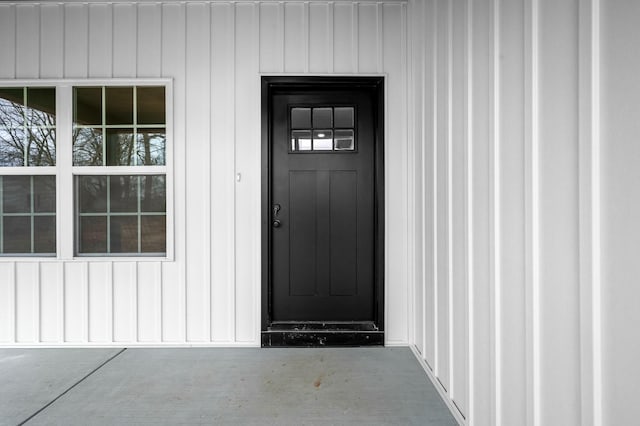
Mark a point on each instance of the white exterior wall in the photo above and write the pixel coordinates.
(524, 206)
(215, 53)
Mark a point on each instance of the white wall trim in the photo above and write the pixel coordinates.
(127, 345)
(457, 415)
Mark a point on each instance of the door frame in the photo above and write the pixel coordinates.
(375, 84)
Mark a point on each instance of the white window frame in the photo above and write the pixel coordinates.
(65, 171)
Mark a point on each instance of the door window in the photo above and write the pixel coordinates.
(322, 129)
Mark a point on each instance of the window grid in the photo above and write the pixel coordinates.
(32, 214)
(313, 129)
(27, 126)
(134, 126)
(62, 122)
(108, 214)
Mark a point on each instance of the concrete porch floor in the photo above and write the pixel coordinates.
(283, 386)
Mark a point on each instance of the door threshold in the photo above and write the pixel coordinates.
(322, 333)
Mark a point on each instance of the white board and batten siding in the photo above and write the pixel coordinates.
(214, 53)
(524, 206)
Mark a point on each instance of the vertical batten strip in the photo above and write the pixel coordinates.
(585, 163)
(223, 169)
(380, 36)
(411, 175)
(281, 35)
(596, 256)
(532, 208)
(428, 106)
(330, 42)
(412, 239)
(173, 273)
(355, 14)
(7, 40)
(27, 41)
(247, 157)
(306, 36)
(495, 214)
(100, 40)
(51, 41)
(449, 189)
(535, 216)
(422, 43)
(197, 146)
(434, 168)
(232, 137)
(467, 223)
(76, 43)
(470, 212)
(49, 308)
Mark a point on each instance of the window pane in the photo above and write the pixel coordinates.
(343, 117)
(322, 117)
(27, 212)
(16, 192)
(301, 140)
(322, 140)
(16, 234)
(151, 147)
(44, 194)
(344, 140)
(93, 234)
(153, 194)
(154, 233)
(151, 105)
(124, 234)
(87, 147)
(11, 107)
(301, 118)
(92, 193)
(12, 147)
(119, 105)
(124, 193)
(44, 234)
(42, 146)
(41, 106)
(128, 203)
(120, 147)
(88, 106)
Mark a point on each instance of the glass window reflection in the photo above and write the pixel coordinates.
(121, 214)
(323, 129)
(27, 126)
(27, 215)
(107, 132)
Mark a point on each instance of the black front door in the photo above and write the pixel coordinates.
(322, 222)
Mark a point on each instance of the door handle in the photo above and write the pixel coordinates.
(276, 209)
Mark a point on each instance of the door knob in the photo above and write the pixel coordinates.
(276, 223)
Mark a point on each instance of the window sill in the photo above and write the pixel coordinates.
(100, 259)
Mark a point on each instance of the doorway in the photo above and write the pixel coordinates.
(322, 211)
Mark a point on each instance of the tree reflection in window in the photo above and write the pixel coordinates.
(119, 214)
(27, 126)
(119, 126)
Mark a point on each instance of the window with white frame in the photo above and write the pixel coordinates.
(27, 171)
(113, 182)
